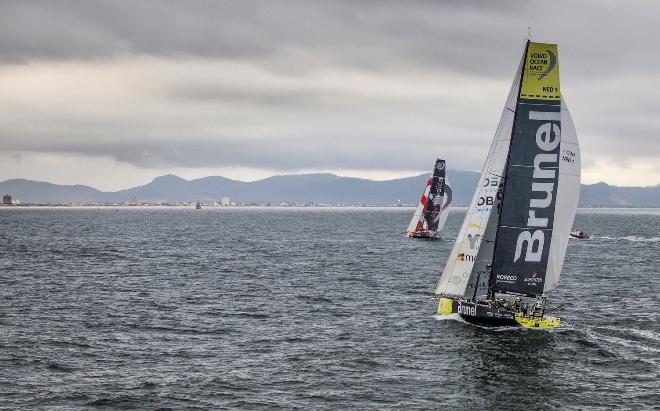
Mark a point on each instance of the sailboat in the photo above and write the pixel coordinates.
(431, 213)
(510, 249)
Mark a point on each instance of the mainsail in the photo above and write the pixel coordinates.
(431, 213)
(515, 233)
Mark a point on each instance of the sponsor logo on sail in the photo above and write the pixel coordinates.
(533, 280)
(491, 181)
(544, 181)
(475, 226)
(507, 278)
(541, 77)
(487, 200)
(541, 63)
(465, 257)
(440, 165)
(473, 240)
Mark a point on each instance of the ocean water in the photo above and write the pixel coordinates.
(259, 308)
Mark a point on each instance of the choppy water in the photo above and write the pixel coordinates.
(306, 308)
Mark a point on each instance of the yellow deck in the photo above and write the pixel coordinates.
(542, 323)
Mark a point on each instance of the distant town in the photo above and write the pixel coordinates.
(9, 201)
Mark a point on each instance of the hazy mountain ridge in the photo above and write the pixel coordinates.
(320, 188)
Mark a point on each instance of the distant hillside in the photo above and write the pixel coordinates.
(604, 195)
(302, 188)
(36, 191)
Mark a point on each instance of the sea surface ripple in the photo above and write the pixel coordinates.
(263, 308)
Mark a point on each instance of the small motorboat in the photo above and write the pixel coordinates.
(579, 234)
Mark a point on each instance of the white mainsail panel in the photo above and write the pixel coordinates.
(458, 268)
(420, 207)
(568, 193)
(444, 209)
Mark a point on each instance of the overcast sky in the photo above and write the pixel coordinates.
(112, 94)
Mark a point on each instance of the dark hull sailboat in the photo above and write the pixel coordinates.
(431, 213)
(496, 313)
(511, 247)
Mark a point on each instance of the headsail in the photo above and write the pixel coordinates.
(417, 222)
(568, 193)
(478, 230)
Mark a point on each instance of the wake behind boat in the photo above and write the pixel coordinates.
(511, 246)
(431, 213)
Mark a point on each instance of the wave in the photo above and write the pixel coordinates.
(635, 334)
(632, 238)
(450, 317)
(619, 341)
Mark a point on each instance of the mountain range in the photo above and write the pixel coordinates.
(301, 188)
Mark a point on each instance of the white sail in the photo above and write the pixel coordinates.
(568, 193)
(420, 207)
(459, 265)
(444, 209)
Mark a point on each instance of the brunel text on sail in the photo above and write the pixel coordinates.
(548, 136)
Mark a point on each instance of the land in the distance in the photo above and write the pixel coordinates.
(300, 189)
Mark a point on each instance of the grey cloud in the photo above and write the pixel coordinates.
(473, 37)
(607, 53)
(283, 153)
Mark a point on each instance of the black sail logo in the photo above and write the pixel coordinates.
(544, 182)
(528, 205)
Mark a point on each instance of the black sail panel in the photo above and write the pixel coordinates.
(525, 226)
(434, 204)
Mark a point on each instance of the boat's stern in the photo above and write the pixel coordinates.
(537, 322)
